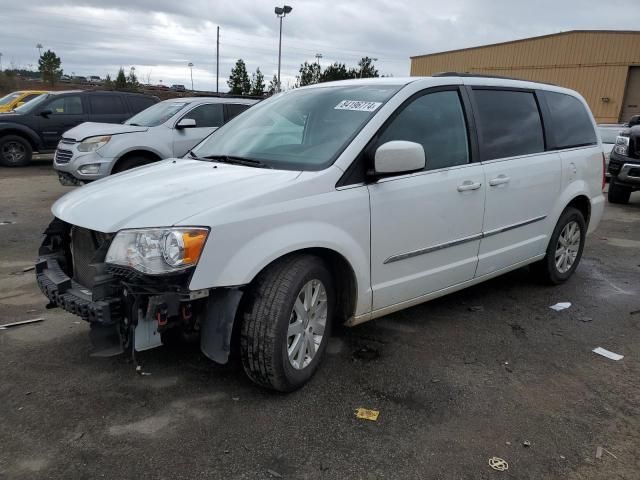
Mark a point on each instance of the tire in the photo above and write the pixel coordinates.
(131, 162)
(618, 194)
(547, 269)
(266, 333)
(15, 151)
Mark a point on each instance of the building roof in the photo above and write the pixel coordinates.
(569, 32)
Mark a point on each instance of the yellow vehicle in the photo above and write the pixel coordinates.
(16, 99)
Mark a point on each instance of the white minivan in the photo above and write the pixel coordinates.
(339, 202)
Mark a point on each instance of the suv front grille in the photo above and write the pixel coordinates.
(63, 156)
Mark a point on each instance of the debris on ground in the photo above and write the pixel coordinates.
(273, 473)
(28, 269)
(586, 319)
(139, 371)
(367, 414)
(498, 464)
(235, 399)
(526, 443)
(560, 306)
(608, 354)
(23, 322)
(635, 312)
(435, 380)
(476, 308)
(599, 452)
(607, 451)
(6, 222)
(366, 353)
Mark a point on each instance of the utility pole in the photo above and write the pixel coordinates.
(1, 63)
(191, 67)
(218, 59)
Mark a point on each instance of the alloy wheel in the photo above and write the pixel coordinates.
(13, 152)
(307, 324)
(567, 247)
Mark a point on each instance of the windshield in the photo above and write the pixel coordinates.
(7, 99)
(299, 130)
(33, 104)
(156, 114)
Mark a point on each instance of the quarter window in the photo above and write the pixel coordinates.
(436, 121)
(508, 123)
(570, 122)
(207, 115)
(71, 105)
(106, 104)
(235, 109)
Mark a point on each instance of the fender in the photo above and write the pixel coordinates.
(142, 149)
(32, 136)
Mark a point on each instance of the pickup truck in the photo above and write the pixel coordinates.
(624, 163)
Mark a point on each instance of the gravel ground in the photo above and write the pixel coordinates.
(457, 381)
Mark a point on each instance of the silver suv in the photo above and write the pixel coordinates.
(167, 129)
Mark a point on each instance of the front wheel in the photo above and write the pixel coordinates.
(131, 162)
(15, 151)
(286, 322)
(564, 250)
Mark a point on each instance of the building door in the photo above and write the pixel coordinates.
(631, 102)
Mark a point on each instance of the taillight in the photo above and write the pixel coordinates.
(604, 173)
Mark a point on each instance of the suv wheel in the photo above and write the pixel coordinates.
(286, 322)
(565, 248)
(15, 151)
(618, 194)
(131, 162)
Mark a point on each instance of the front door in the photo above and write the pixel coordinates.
(66, 112)
(208, 118)
(426, 226)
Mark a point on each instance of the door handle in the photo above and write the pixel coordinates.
(499, 180)
(469, 185)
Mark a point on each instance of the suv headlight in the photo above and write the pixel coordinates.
(622, 145)
(92, 144)
(157, 250)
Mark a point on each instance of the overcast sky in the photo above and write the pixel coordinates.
(160, 37)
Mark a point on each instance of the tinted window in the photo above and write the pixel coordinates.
(66, 105)
(140, 103)
(106, 104)
(207, 115)
(570, 122)
(30, 97)
(235, 109)
(508, 123)
(436, 121)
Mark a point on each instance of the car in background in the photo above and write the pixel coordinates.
(95, 80)
(178, 88)
(624, 164)
(167, 129)
(608, 134)
(16, 99)
(39, 124)
(79, 79)
(65, 79)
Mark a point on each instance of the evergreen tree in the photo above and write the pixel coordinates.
(239, 81)
(132, 81)
(337, 71)
(309, 74)
(49, 66)
(121, 80)
(366, 68)
(273, 86)
(257, 83)
(108, 83)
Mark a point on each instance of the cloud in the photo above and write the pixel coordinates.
(160, 37)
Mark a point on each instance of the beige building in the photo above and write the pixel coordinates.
(604, 66)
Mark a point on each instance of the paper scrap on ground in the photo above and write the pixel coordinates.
(560, 306)
(608, 354)
(367, 414)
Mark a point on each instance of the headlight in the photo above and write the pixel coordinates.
(93, 143)
(157, 250)
(622, 145)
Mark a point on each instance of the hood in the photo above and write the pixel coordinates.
(93, 129)
(163, 193)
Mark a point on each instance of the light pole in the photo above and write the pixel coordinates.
(191, 67)
(281, 12)
(39, 47)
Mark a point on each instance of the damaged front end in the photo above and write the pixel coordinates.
(128, 309)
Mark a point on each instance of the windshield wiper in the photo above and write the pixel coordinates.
(248, 162)
(134, 124)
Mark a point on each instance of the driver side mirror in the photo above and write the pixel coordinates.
(186, 123)
(46, 113)
(399, 156)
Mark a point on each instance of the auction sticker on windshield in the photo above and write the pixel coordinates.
(357, 105)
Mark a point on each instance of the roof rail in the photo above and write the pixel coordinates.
(467, 74)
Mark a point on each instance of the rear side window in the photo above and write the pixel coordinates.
(570, 122)
(31, 96)
(207, 115)
(70, 105)
(138, 104)
(234, 109)
(508, 123)
(436, 121)
(106, 104)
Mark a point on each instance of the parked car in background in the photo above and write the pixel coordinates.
(16, 99)
(167, 129)
(38, 125)
(95, 80)
(79, 79)
(608, 134)
(339, 202)
(65, 79)
(624, 163)
(178, 88)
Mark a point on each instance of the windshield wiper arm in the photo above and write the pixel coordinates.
(249, 162)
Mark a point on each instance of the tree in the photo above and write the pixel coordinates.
(132, 81)
(49, 66)
(309, 74)
(273, 86)
(257, 83)
(367, 68)
(337, 71)
(108, 83)
(121, 80)
(239, 82)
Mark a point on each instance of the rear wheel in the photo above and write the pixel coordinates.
(131, 162)
(565, 248)
(287, 322)
(15, 151)
(618, 194)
